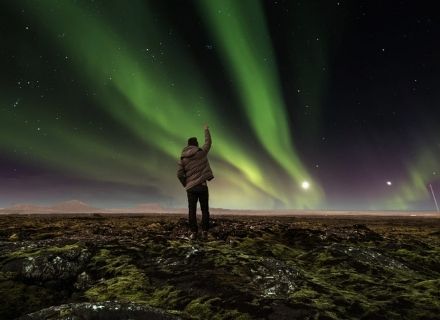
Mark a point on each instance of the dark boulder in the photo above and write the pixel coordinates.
(53, 263)
(100, 311)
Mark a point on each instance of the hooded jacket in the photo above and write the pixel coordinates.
(193, 166)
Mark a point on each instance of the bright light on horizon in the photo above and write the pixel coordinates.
(389, 183)
(305, 185)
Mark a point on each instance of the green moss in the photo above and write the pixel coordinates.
(323, 303)
(68, 247)
(428, 258)
(225, 256)
(358, 278)
(206, 308)
(323, 258)
(167, 297)
(128, 288)
(284, 252)
(336, 293)
(200, 308)
(429, 286)
(234, 315)
(425, 298)
(252, 245)
(304, 294)
(123, 282)
(110, 264)
(65, 313)
(26, 253)
(331, 284)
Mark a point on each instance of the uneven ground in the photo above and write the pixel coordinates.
(145, 267)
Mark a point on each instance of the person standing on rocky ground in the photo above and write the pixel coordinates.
(194, 172)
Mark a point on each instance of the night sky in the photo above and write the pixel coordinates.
(311, 104)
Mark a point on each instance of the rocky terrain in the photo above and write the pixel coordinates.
(145, 267)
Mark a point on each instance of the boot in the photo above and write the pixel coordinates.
(193, 236)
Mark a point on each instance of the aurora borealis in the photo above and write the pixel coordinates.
(99, 97)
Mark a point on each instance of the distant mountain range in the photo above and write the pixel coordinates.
(76, 206)
(79, 207)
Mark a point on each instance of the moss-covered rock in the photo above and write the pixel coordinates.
(251, 268)
(51, 263)
(100, 311)
(119, 279)
(210, 308)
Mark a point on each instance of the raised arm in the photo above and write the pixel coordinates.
(208, 141)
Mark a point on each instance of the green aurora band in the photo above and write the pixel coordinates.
(159, 95)
(240, 28)
(420, 173)
(157, 102)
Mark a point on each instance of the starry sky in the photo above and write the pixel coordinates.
(311, 104)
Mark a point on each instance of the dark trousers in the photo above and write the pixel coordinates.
(198, 193)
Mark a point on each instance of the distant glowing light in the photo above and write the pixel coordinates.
(305, 185)
(389, 183)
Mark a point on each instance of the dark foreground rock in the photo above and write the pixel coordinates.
(249, 268)
(100, 311)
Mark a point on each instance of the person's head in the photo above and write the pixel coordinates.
(193, 142)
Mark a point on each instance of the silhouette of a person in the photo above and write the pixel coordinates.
(194, 172)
